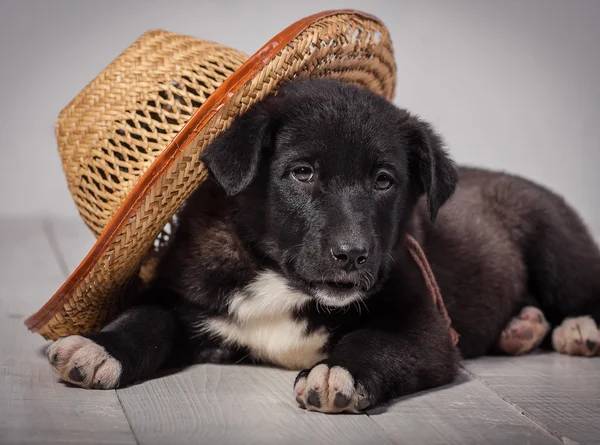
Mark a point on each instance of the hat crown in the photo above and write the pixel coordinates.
(119, 124)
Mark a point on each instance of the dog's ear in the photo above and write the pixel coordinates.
(431, 169)
(233, 157)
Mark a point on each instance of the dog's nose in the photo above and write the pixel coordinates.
(350, 255)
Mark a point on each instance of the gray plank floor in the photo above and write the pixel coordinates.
(34, 406)
(539, 399)
(561, 393)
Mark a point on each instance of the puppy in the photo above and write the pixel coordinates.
(292, 254)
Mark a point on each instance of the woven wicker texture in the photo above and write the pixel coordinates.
(111, 133)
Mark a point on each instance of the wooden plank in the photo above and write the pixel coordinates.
(238, 404)
(465, 412)
(34, 406)
(235, 404)
(562, 393)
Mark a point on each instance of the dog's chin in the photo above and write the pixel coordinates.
(335, 297)
(334, 293)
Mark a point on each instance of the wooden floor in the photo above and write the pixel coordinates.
(538, 399)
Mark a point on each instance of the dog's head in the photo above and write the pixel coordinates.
(324, 177)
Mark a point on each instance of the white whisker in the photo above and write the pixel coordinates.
(364, 304)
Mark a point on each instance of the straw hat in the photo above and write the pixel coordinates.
(130, 142)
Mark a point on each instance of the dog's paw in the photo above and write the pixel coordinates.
(330, 390)
(577, 336)
(80, 361)
(524, 332)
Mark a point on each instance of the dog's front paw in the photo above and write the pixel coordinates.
(330, 390)
(577, 336)
(84, 363)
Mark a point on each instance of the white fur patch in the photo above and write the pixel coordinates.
(269, 295)
(262, 320)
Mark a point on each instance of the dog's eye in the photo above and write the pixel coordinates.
(303, 173)
(383, 181)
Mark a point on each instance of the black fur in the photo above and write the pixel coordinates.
(497, 244)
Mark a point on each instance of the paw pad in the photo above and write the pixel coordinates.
(329, 390)
(524, 332)
(577, 336)
(80, 361)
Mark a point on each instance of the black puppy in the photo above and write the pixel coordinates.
(293, 254)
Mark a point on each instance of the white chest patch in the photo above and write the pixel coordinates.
(261, 319)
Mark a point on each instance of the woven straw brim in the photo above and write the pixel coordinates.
(347, 45)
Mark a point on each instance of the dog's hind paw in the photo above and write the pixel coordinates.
(524, 332)
(577, 336)
(330, 390)
(82, 362)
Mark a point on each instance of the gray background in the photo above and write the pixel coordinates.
(511, 84)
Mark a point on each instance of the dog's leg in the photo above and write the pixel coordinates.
(373, 365)
(564, 274)
(130, 348)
